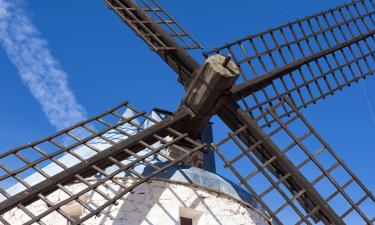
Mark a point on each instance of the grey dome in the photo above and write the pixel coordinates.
(197, 176)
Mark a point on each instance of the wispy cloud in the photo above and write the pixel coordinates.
(368, 101)
(39, 70)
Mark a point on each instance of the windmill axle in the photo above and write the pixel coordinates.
(208, 90)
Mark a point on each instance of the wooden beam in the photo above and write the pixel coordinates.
(208, 90)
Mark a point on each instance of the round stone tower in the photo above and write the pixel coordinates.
(182, 196)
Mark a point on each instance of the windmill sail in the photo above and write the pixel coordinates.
(95, 153)
(342, 192)
(161, 33)
(307, 59)
(126, 9)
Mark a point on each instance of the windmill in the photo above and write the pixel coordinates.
(256, 85)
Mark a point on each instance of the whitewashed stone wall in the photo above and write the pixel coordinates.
(156, 203)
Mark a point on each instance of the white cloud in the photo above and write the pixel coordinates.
(39, 70)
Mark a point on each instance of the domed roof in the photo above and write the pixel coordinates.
(206, 179)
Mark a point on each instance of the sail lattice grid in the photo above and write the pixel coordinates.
(308, 59)
(100, 152)
(126, 10)
(311, 156)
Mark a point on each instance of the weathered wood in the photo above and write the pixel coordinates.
(206, 93)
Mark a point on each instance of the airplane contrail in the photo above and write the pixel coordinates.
(368, 101)
(38, 69)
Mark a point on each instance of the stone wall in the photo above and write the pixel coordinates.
(156, 203)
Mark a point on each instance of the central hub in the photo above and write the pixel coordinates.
(208, 91)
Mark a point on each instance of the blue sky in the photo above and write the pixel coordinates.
(106, 64)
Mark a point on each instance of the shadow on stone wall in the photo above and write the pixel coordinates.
(140, 203)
